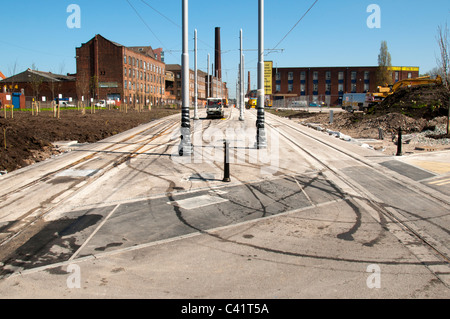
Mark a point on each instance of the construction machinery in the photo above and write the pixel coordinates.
(252, 100)
(384, 91)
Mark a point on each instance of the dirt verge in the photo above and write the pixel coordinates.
(29, 138)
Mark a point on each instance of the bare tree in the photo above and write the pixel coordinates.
(93, 85)
(82, 88)
(36, 82)
(443, 61)
(433, 73)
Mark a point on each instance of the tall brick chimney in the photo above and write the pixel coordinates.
(218, 56)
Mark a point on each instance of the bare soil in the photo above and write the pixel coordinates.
(412, 110)
(29, 138)
(366, 128)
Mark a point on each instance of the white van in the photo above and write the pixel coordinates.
(214, 107)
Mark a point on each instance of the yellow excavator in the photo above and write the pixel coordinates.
(385, 91)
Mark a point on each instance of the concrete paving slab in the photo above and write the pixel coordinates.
(413, 172)
(294, 255)
(296, 225)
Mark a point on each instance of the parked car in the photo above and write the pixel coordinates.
(101, 103)
(65, 104)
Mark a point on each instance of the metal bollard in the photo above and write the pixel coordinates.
(399, 143)
(380, 134)
(226, 159)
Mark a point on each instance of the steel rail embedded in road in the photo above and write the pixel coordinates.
(23, 222)
(392, 214)
(106, 149)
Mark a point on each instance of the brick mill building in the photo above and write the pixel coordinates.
(217, 88)
(328, 84)
(108, 70)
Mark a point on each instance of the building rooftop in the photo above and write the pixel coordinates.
(27, 75)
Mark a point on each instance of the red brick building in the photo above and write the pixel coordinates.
(217, 88)
(328, 84)
(108, 70)
(42, 86)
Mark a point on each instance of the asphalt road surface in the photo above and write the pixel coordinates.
(310, 216)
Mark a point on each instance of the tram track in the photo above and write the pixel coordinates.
(25, 220)
(113, 147)
(364, 194)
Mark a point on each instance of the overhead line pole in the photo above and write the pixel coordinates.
(195, 81)
(185, 147)
(207, 93)
(241, 82)
(260, 129)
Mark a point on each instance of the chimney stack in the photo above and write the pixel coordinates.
(218, 56)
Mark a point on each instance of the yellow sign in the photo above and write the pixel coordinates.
(403, 68)
(268, 65)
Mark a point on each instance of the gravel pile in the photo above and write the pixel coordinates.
(433, 137)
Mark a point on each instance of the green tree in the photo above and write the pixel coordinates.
(384, 73)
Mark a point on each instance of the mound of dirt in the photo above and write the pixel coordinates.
(412, 110)
(29, 138)
(418, 102)
(360, 125)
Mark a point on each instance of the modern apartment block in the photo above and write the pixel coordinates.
(328, 84)
(108, 70)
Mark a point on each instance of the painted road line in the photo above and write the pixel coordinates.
(444, 183)
(119, 251)
(440, 182)
(93, 233)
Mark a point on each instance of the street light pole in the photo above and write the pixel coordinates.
(261, 134)
(185, 146)
(195, 75)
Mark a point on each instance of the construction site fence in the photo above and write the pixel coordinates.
(30, 102)
(305, 101)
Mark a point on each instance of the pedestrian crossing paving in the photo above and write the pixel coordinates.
(440, 182)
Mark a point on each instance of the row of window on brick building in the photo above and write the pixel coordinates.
(327, 81)
(145, 76)
(328, 84)
(143, 65)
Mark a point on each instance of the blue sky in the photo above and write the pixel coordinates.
(333, 33)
